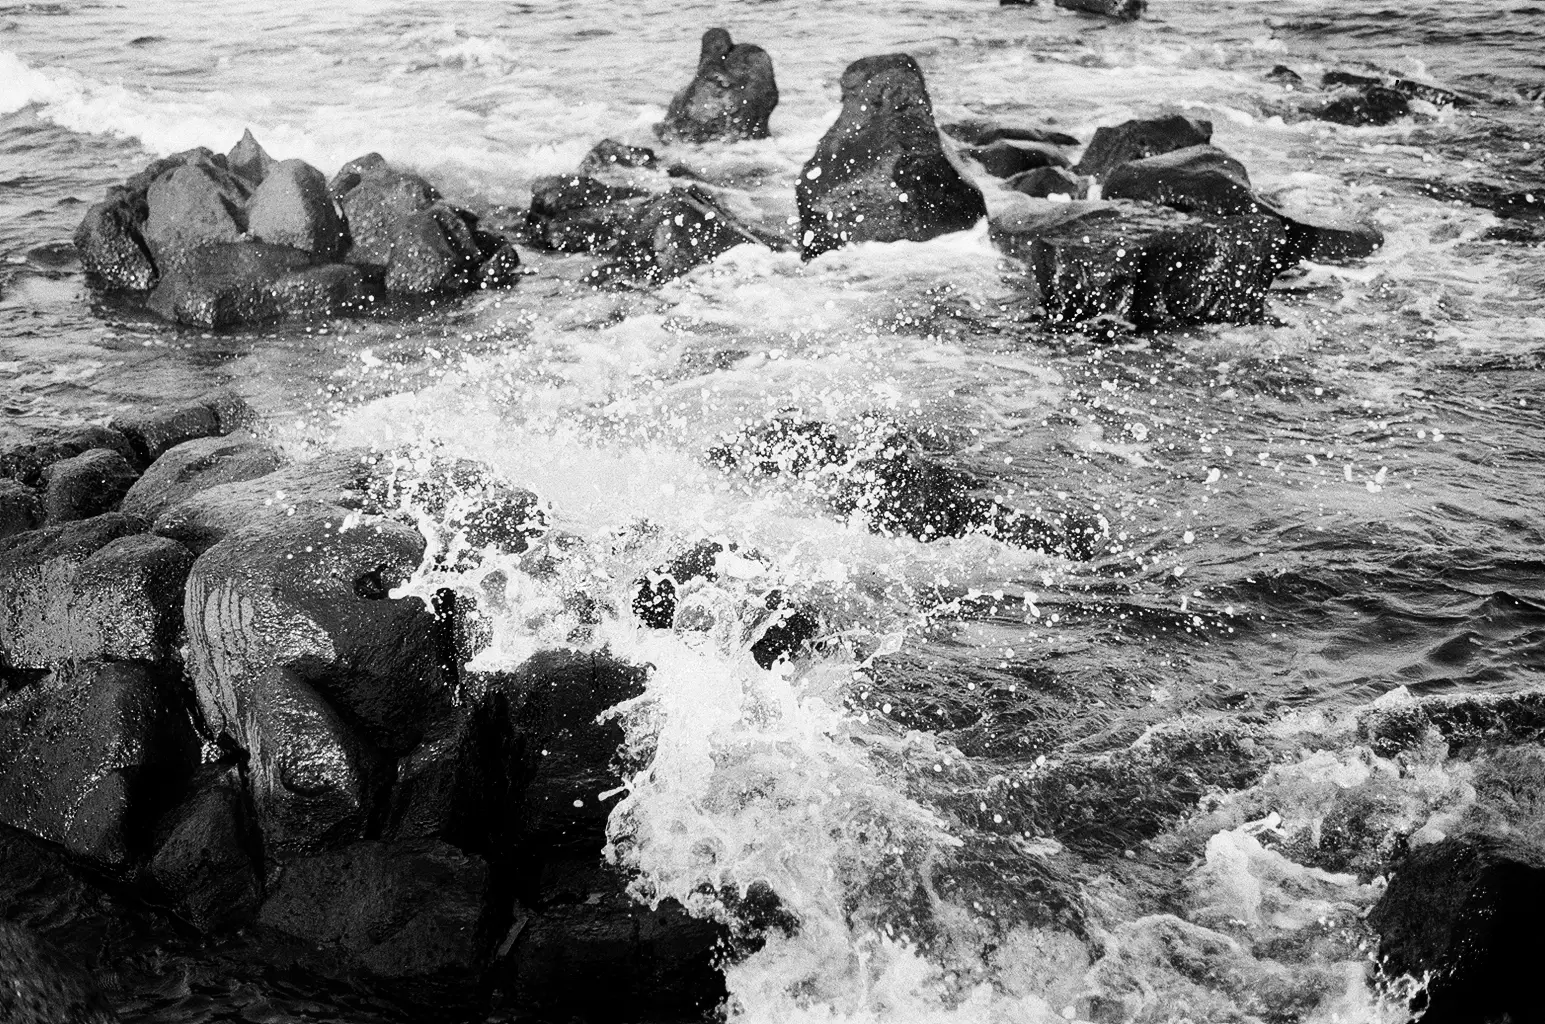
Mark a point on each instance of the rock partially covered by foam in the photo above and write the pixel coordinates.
(1122, 10)
(880, 173)
(730, 98)
(1133, 140)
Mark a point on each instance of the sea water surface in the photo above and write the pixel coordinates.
(1304, 516)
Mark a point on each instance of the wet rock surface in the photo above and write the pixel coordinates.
(730, 98)
(1122, 10)
(1134, 140)
(42, 986)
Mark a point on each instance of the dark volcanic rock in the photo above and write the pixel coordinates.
(880, 172)
(42, 986)
(226, 284)
(86, 485)
(379, 199)
(1125, 10)
(1134, 140)
(197, 465)
(730, 98)
(112, 249)
(1373, 105)
(1004, 159)
(206, 861)
(195, 204)
(1147, 266)
(574, 213)
(1196, 179)
(1049, 181)
(249, 160)
(1468, 911)
(433, 250)
(27, 461)
(20, 508)
(152, 432)
(609, 154)
(293, 207)
(982, 133)
(87, 753)
(87, 590)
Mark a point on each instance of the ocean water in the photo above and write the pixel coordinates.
(1009, 787)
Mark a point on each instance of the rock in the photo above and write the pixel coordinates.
(27, 462)
(409, 911)
(293, 207)
(20, 508)
(1147, 266)
(90, 590)
(1467, 910)
(354, 172)
(151, 433)
(194, 205)
(609, 154)
(1427, 93)
(983, 133)
(880, 173)
(573, 213)
(1124, 10)
(86, 485)
(1197, 179)
(1327, 240)
(1004, 159)
(1134, 140)
(680, 230)
(206, 861)
(1285, 75)
(472, 508)
(195, 466)
(372, 208)
(111, 248)
(433, 250)
(87, 753)
(1049, 181)
(729, 99)
(1374, 105)
(229, 284)
(42, 986)
(501, 269)
(249, 160)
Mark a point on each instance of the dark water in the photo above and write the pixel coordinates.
(1304, 516)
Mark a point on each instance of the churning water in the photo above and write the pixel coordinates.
(1009, 787)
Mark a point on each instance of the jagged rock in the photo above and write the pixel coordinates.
(1427, 93)
(355, 171)
(86, 754)
(1467, 910)
(111, 248)
(1004, 159)
(1049, 181)
(42, 986)
(1135, 140)
(609, 154)
(1147, 266)
(412, 911)
(20, 508)
(680, 230)
(1124, 10)
(730, 98)
(27, 461)
(1285, 75)
(227, 284)
(206, 861)
(86, 485)
(309, 591)
(573, 213)
(293, 207)
(195, 204)
(978, 132)
(433, 250)
(152, 433)
(249, 160)
(195, 466)
(1373, 105)
(380, 198)
(88, 590)
(880, 173)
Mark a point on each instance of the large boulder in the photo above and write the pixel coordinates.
(1146, 266)
(206, 861)
(225, 284)
(28, 460)
(21, 509)
(293, 207)
(112, 249)
(379, 198)
(578, 213)
(152, 431)
(198, 465)
(730, 98)
(880, 172)
(88, 590)
(43, 986)
(197, 203)
(1122, 10)
(1134, 140)
(433, 250)
(86, 485)
(1004, 159)
(87, 753)
(1464, 913)
(249, 160)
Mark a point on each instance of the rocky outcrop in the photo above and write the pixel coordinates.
(207, 862)
(195, 466)
(87, 752)
(1122, 10)
(880, 173)
(151, 432)
(227, 284)
(27, 461)
(1134, 140)
(730, 98)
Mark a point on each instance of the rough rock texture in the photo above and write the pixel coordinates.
(27, 461)
(249, 160)
(1125, 10)
(197, 203)
(1049, 181)
(730, 98)
(1004, 159)
(1144, 265)
(226, 284)
(1134, 140)
(151, 432)
(981, 132)
(1196, 179)
(197, 465)
(575, 213)
(1372, 105)
(354, 172)
(20, 508)
(433, 250)
(206, 855)
(609, 154)
(87, 753)
(880, 172)
(111, 248)
(92, 589)
(293, 207)
(42, 986)
(1468, 910)
(410, 911)
(86, 485)
(372, 207)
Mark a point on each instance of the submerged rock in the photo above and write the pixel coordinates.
(1004, 159)
(609, 154)
(576, 213)
(979, 132)
(1196, 179)
(880, 172)
(730, 98)
(1371, 105)
(1134, 140)
(293, 207)
(1049, 181)
(1124, 10)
